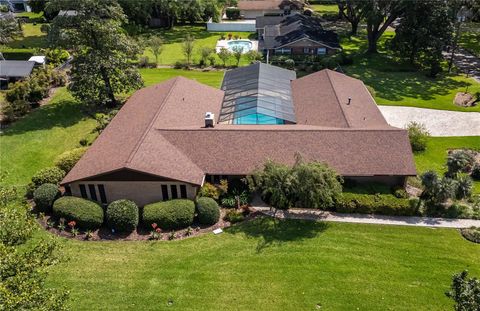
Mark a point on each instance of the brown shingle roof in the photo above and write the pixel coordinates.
(159, 132)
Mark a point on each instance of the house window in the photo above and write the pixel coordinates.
(165, 192)
(101, 191)
(283, 51)
(306, 50)
(321, 51)
(183, 191)
(173, 189)
(68, 191)
(83, 191)
(93, 192)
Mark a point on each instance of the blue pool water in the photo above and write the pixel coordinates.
(257, 118)
(245, 44)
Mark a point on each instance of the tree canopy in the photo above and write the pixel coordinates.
(103, 54)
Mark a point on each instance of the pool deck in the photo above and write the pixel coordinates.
(223, 44)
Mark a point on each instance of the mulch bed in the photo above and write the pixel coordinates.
(471, 234)
(140, 234)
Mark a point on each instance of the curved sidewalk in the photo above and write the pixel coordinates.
(438, 122)
(308, 214)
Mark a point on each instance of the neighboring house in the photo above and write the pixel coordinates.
(160, 146)
(16, 5)
(296, 34)
(250, 9)
(14, 70)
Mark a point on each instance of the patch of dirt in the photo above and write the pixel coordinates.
(140, 234)
(463, 99)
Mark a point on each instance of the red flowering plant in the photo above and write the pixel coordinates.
(73, 230)
(72, 224)
(156, 233)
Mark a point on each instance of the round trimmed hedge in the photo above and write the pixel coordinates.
(87, 214)
(67, 160)
(48, 175)
(44, 196)
(122, 215)
(173, 214)
(208, 211)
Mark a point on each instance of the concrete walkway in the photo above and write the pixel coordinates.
(438, 122)
(310, 214)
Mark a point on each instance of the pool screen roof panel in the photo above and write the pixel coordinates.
(260, 87)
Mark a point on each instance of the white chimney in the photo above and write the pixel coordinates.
(209, 119)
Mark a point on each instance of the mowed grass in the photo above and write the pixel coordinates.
(396, 83)
(32, 38)
(34, 141)
(435, 156)
(325, 8)
(470, 38)
(267, 265)
(173, 39)
(151, 76)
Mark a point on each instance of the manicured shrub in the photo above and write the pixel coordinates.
(234, 216)
(464, 186)
(418, 135)
(208, 211)
(44, 196)
(87, 214)
(67, 160)
(48, 175)
(232, 13)
(173, 214)
(209, 190)
(400, 193)
(384, 204)
(476, 172)
(122, 215)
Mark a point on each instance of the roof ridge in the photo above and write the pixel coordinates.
(311, 129)
(336, 96)
(150, 124)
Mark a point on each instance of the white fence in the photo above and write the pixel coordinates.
(248, 25)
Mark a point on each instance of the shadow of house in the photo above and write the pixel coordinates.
(272, 231)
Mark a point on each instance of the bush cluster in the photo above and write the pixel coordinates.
(87, 214)
(460, 161)
(48, 175)
(232, 13)
(44, 196)
(173, 214)
(208, 211)
(384, 204)
(67, 160)
(418, 135)
(472, 234)
(122, 215)
(234, 216)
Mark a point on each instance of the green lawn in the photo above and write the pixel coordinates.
(290, 265)
(173, 38)
(325, 8)
(152, 76)
(435, 157)
(470, 38)
(32, 38)
(398, 84)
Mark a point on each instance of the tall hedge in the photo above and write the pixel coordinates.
(48, 175)
(208, 212)
(87, 214)
(173, 214)
(384, 204)
(44, 196)
(122, 215)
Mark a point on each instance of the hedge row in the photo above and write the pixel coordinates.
(87, 214)
(174, 214)
(385, 204)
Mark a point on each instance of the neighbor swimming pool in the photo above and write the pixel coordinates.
(246, 45)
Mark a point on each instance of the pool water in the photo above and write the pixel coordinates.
(257, 118)
(245, 44)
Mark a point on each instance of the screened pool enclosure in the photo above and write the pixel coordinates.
(258, 94)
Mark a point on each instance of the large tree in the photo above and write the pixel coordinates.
(9, 28)
(380, 14)
(423, 32)
(352, 11)
(103, 55)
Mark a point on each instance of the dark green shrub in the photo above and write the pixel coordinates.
(476, 172)
(122, 215)
(14, 110)
(87, 214)
(460, 161)
(464, 186)
(173, 214)
(418, 135)
(232, 13)
(48, 175)
(67, 160)
(234, 216)
(384, 204)
(458, 211)
(208, 211)
(44, 196)
(471, 234)
(400, 193)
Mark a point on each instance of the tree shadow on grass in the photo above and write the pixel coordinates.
(64, 113)
(272, 231)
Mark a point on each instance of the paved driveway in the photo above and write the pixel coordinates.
(438, 122)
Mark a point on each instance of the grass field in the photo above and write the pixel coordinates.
(325, 8)
(398, 84)
(173, 38)
(152, 76)
(435, 157)
(32, 38)
(262, 265)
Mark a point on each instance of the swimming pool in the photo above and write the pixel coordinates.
(246, 45)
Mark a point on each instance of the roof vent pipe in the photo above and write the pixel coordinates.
(349, 101)
(209, 119)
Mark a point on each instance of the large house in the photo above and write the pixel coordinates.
(170, 138)
(250, 9)
(295, 34)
